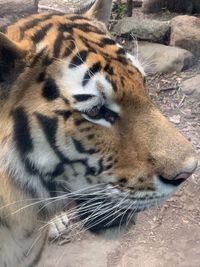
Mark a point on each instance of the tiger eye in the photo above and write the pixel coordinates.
(93, 112)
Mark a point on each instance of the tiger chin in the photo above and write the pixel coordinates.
(77, 125)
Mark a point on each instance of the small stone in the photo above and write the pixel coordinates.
(175, 119)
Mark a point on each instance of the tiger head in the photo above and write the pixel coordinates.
(77, 121)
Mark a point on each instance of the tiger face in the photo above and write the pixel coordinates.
(79, 122)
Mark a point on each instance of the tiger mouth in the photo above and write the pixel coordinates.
(99, 215)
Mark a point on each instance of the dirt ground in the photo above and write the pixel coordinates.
(167, 237)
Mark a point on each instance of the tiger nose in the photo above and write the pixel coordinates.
(189, 167)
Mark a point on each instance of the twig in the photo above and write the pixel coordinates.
(181, 102)
(171, 88)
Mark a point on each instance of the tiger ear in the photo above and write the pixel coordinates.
(100, 10)
(11, 59)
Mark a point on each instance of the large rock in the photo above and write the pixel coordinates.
(178, 6)
(143, 29)
(185, 33)
(192, 87)
(8, 7)
(196, 6)
(158, 58)
(4, 22)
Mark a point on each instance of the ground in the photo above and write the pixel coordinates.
(168, 236)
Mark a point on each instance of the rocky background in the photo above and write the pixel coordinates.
(168, 46)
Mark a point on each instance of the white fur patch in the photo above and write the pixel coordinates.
(40, 46)
(163, 189)
(136, 64)
(101, 121)
(97, 86)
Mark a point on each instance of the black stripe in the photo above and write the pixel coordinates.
(57, 45)
(123, 60)
(64, 113)
(114, 86)
(80, 121)
(78, 59)
(108, 166)
(91, 171)
(90, 136)
(22, 134)
(91, 72)
(47, 60)
(69, 49)
(50, 90)
(107, 41)
(121, 51)
(41, 77)
(85, 27)
(58, 170)
(101, 167)
(67, 27)
(79, 17)
(30, 167)
(38, 57)
(83, 97)
(32, 23)
(109, 57)
(45, 178)
(109, 69)
(50, 126)
(81, 149)
(37, 258)
(66, 101)
(40, 34)
(122, 79)
(28, 25)
(88, 43)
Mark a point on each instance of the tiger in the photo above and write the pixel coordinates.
(77, 124)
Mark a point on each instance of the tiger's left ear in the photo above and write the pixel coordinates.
(100, 10)
(11, 59)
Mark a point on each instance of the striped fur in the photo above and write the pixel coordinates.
(76, 123)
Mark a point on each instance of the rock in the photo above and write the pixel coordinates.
(4, 22)
(136, 3)
(185, 33)
(176, 119)
(25, 7)
(158, 58)
(177, 6)
(143, 29)
(192, 87)
(196, 6)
